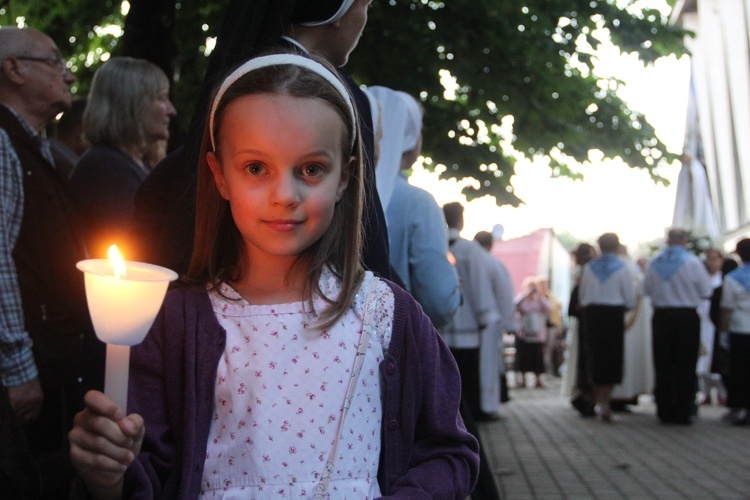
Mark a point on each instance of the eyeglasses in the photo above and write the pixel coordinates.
(58, 62)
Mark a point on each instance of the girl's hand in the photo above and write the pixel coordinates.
(103, 443)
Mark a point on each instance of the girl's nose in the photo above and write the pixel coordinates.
(286, 190)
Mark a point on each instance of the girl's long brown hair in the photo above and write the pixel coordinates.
(219, 252)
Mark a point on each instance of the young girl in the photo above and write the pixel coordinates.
(293, 373)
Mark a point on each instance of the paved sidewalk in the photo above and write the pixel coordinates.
(542, 449)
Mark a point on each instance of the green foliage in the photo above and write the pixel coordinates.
(519, 59)
(568, 240)
(523, 73)
(191, 62)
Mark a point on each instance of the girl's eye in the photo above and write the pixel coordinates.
(254, 168)
(312, 170)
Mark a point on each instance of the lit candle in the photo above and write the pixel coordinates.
(124, 298)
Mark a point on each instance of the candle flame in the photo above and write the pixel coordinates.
(118, 264)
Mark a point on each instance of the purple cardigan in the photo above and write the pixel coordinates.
(426, 450)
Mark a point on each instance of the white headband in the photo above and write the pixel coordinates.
(279, 60)
(338, 15)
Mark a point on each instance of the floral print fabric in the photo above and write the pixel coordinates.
(280, 388)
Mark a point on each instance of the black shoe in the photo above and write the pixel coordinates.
(585, 408)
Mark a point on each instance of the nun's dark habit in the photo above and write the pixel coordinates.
(165, 204)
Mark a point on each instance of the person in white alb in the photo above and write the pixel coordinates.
(677, 282)
(502, 293)
(467, 333)
(606, 292)
(638, 369)
(471, 337)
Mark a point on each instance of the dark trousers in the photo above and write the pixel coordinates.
(606, 327)
(584, 382)
(48, 435)
(676, 339)
(738, 390)
(19, 477)
(468, 366)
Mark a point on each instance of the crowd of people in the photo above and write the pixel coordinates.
(332, 334)
(664, 327)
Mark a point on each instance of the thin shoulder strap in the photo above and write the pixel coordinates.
(321, 490)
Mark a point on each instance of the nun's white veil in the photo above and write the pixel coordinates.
(401, 119)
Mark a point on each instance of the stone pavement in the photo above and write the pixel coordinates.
(542, 449)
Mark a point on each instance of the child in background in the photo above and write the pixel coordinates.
(288, 371)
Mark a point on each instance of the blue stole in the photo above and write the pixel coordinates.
(742, 276)
(605, 266)
(669, 261)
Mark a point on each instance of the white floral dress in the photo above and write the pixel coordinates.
(280, 389)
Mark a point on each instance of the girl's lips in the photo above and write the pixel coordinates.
(283, 224)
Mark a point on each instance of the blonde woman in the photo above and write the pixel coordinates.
(128, 112)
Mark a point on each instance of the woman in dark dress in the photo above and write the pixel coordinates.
(127, 114)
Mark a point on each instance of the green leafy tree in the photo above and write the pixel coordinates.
(498, 79)
(531, 60)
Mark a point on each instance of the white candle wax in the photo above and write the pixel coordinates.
(116, 374)
(122, 310)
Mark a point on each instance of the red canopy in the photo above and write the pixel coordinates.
(539, 253)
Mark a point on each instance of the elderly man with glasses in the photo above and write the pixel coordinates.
(44, 321)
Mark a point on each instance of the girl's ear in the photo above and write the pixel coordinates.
(215, 166)
(346, 173)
